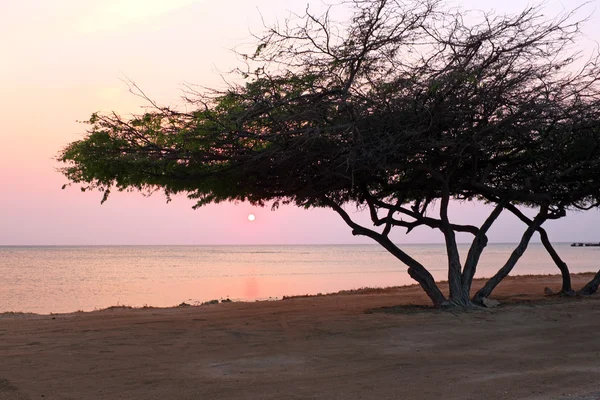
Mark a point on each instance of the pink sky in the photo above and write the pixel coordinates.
(64, 59)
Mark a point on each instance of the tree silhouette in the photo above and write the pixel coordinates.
(402, 106)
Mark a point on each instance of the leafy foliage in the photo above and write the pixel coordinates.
(401, 106)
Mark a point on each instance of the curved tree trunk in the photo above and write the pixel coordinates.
(416, 271)
(591, 287)
(479, 243)
(427, 283)
(562, 266)
(566, 289)
(491, 284)
(457, 295)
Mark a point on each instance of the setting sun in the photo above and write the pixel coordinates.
(251, 217)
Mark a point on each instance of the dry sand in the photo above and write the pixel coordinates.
(327, 347)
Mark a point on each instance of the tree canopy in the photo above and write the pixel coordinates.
(403, 105)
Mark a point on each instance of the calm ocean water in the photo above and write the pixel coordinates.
(65, 279)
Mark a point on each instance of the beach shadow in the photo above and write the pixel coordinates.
(404, 309)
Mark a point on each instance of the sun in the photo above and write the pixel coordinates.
(251, 217)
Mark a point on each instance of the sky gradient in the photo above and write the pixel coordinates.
(64, 59)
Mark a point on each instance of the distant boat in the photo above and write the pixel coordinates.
(582, 244)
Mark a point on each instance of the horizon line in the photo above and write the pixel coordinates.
(261, 244)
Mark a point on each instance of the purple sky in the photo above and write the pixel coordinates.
(64, 59)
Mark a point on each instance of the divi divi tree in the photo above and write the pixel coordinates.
(401, 106)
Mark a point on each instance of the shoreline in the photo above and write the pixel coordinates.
(579, 279)
(377, 343)
(62, 281)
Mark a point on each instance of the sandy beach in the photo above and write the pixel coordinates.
(344, 346)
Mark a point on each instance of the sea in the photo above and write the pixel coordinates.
(58, 279)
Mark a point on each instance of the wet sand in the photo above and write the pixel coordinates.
(345, 346)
